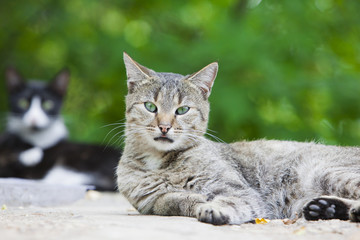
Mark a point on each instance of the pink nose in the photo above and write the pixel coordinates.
(164, 128)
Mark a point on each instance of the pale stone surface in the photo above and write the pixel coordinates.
(110, 216)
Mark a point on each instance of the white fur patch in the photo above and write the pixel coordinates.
(45, 138)
(35, 116)
(153, 163)
(31, 157)
(65, 176)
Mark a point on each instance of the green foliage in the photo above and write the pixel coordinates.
(288, 69)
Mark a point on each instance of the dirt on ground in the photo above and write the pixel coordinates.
(109, 216)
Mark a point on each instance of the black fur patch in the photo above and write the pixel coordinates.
(326, 208)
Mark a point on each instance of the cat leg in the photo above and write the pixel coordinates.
(355, 212)
(177, 204)
(218, 211)
(230, 210)
(331, 207)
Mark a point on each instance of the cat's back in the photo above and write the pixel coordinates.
(291, 154)
(269, 148)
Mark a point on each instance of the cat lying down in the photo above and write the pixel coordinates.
(169, 168)
(35, 144)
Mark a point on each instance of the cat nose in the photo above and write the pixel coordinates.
(164, 128)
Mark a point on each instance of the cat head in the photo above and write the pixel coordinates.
(34, 105)
(167, 111)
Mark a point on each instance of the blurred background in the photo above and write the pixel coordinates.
(288, 69)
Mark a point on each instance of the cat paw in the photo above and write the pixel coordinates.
(355, 214)
(210, 213)
(326, 208)
(31, 157)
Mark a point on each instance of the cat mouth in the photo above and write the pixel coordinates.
(35, 128)
(164, 139)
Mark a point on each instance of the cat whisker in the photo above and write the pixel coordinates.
(215, 137)
(208, 129)
(208, 134)
(150, 129)
(192, 137)
(109, 142)
(119, 140)
(115, 128)
(122, 134)
(116, 123)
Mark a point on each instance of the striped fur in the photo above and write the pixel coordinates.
(189, 175)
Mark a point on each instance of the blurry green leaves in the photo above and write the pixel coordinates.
(253, 3)
(280, 112)
(137, 33)
(113, 22)
(324, 5)
(288, 69)
(197, 15)
(83, 10)
(52, 53)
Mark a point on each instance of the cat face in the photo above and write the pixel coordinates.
(167, 111)
(34, 105)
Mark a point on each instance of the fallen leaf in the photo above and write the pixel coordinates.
(287, 221)
(4, 207)
(300, 231)
(261, 220)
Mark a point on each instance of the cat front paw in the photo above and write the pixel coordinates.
(326, 208)
(210, 213)
(355, 214)
(31, 157)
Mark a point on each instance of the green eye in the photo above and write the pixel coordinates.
(150, 107)
(47, 105)
(23, 103)
(182, 110)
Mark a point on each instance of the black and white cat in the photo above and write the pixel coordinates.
(35, 144)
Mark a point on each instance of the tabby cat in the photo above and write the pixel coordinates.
(35, 144)
(169, 168)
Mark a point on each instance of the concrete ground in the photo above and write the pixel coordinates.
(109, 216)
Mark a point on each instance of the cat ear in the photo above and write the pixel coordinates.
(135, 72)
(14, 80)
(60, 82)
(204, 79)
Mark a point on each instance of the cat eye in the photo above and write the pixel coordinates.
(23, 103)
(150, 107)
(48, 105)
(182, 110)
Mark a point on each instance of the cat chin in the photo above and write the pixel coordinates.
(164, 146)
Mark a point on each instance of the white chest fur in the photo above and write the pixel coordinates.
(153, 161)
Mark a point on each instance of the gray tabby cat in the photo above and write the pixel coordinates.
(169, 168)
